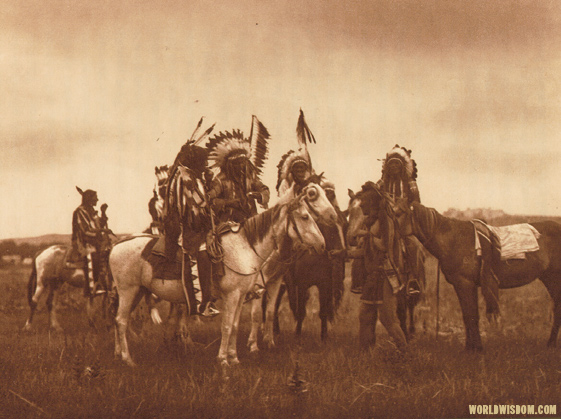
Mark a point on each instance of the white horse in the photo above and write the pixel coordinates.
(322, 211)
(244, 255)
(49, 273)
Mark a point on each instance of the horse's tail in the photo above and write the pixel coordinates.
(32, 283)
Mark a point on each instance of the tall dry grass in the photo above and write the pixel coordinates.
(74, 374)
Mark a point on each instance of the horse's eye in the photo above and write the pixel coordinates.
(305, 216)
(312, 194)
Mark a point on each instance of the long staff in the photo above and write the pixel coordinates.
(437, 298)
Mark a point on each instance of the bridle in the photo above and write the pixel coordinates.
(289, 221)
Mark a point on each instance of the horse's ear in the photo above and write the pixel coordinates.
(345, 213)
(80, 190)
(351, 194)
(156, 169)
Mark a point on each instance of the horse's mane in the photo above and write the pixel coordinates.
(429, 218)
(257, 227)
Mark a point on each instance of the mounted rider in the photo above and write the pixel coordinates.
(156, 203)
(295, 167)
(295, 171)
(236, 190)
(399, 180)
(87, 239)
(187, 218)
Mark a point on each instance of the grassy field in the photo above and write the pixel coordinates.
(73, 374)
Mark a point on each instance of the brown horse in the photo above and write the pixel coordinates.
(320, 270)
(452, 242)
(306, 270)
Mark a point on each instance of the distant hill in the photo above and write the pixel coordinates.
(46, 239)
(495, 217)
(42, 240)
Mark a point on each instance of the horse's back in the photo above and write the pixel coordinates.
(48, 263)
(550, 242)
(126, 256)
(548, 228)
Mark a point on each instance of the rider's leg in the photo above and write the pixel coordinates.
(88, 275)
(207, 307)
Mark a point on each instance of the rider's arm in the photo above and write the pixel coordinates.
(263, 191)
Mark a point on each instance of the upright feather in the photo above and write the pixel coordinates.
(303, 132)
(258, 143)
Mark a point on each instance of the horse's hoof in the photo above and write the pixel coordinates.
(270, 344)
(130, 363)
(234, 361)
(253, 349)
(29, 328)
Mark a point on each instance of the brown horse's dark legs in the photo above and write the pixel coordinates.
(402, 311)
(276, 324)
(301, 301)
(326, 308)
(467, 295)
(411, 307)
(553, 285)
(552, 342)
(367, 317)
(324, 329)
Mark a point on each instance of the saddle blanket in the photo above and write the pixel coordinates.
(517, 240)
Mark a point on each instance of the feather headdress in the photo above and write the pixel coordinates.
(404, 156)
(227, 146)
(304, 136)
(192, 155)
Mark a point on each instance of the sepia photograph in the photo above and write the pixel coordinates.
(277, 209)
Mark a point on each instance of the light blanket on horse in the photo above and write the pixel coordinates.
(514, 241)
(511, 242)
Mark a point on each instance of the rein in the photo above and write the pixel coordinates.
(289, 220)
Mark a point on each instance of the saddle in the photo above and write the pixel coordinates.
(73, 259)
(227, 227)
(154, 254)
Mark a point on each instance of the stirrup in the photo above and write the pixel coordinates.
(255, 294)
(210, 310)
(413, 287)
(97, 290)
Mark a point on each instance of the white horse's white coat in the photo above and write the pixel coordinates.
(242, 263)
(49, 275)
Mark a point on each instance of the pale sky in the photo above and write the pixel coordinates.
(97, 93)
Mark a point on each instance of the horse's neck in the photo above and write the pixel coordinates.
(265, 247)
(267, 242)
(440, 231)
(430, 223)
